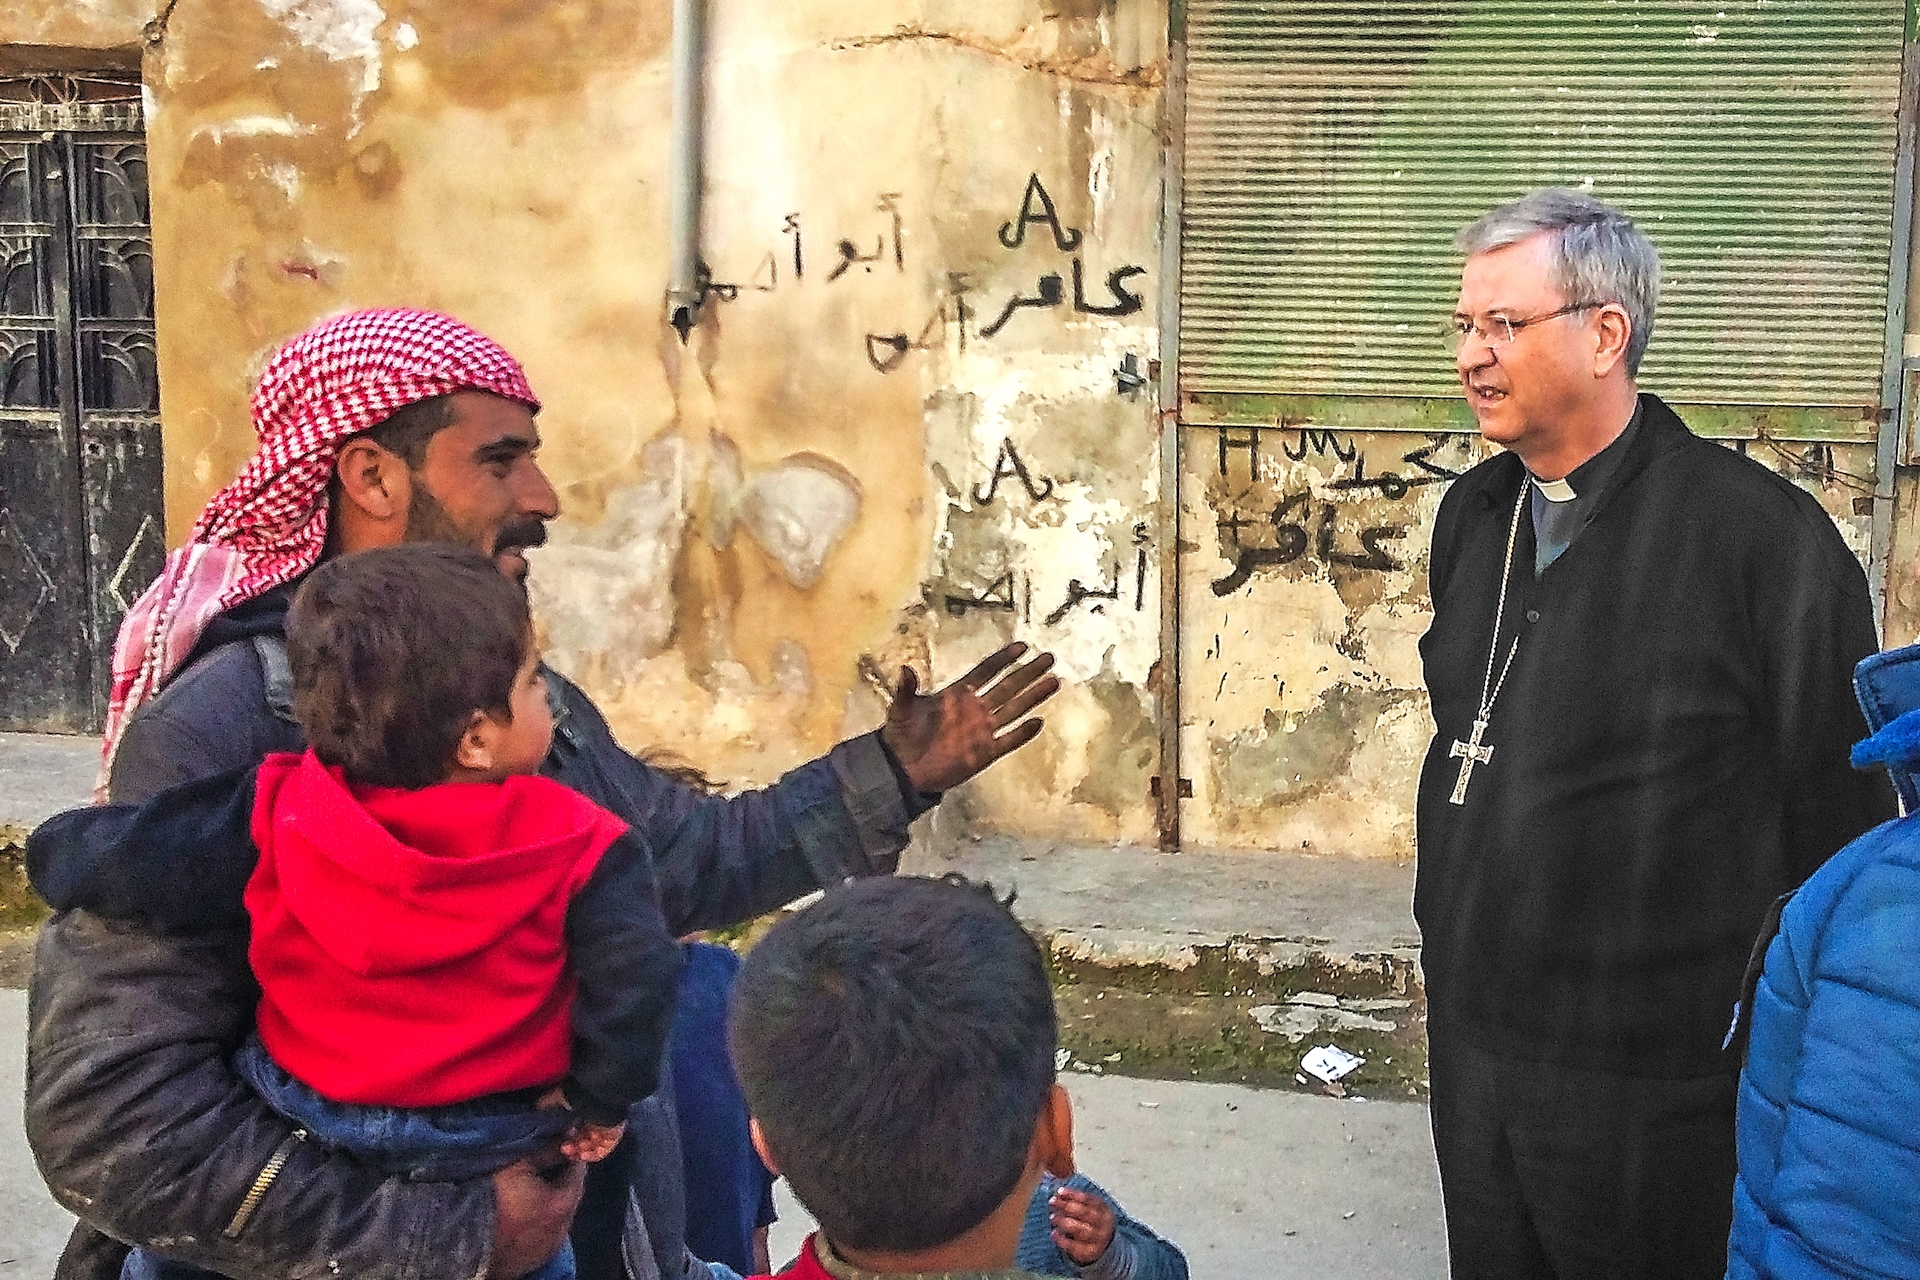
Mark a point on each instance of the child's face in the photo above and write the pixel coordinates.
(523, 744)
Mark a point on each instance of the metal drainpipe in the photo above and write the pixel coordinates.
(1173, 167)
(685, 287)
(1889, 447)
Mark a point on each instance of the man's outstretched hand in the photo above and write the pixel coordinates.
(942, 739)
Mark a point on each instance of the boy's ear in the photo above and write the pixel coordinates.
(475, 748)
(760, 1145)
(1053, 1135)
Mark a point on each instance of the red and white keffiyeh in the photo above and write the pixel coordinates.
(336, 380)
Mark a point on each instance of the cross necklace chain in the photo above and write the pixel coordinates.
(1473, 751)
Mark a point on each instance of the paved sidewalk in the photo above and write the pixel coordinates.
(43, 773)
(1136, 896)
(1226, 1171)
(1253, 1185)
(1132, 894)
(1140, 899)
(32, 1226)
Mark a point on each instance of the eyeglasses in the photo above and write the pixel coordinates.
(1499, 331)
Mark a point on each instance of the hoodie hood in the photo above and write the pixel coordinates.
(388, 882)
(1888, 686)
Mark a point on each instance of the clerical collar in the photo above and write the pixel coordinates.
(1562, 508)
(1591, 474)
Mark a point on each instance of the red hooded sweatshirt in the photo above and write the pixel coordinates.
(410, 945)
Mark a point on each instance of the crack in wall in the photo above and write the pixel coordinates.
(1098, 70)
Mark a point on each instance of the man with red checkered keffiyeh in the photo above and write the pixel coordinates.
(378, 427)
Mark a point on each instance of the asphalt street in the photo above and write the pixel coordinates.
(1254, 1185)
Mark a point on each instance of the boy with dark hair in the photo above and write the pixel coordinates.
(896, 1044)
(460, 963)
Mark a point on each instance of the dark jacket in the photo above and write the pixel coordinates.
(133, 1111)
(1670, 752)
(456, 957)
(1829, 1182)
(1136, 1252)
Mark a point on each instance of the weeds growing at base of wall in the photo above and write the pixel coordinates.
(20, 906)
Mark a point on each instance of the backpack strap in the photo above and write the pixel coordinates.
(1742, 1026)
(278, 673)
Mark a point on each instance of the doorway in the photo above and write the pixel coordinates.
(81, 529)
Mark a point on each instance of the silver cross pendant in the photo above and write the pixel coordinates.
(1469, 754)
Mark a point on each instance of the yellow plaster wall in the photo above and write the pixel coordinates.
(761, 525)
(76, 24)
(864, 461)
(861, 457)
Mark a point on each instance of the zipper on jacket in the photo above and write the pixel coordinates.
(257, 1192)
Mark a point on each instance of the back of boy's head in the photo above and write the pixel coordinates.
(895, 1041)
(393, 650)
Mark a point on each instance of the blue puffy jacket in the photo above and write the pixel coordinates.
(1829, 1112)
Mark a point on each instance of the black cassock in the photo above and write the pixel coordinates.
(1669, 754)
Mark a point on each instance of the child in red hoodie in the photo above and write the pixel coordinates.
(460, 963)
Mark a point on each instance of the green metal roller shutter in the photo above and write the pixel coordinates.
(1333, 147)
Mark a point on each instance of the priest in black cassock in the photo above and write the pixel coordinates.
(1639, 663)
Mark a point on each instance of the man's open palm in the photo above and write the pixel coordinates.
(944, 738)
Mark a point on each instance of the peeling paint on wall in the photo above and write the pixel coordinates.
(900, 434)
(1305, 719)
(340, 30)
(76, 24)
(798, 512)
(604, 592)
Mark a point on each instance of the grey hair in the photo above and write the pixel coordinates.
(1595, 253)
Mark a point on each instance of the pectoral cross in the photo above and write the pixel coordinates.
(1469, 754)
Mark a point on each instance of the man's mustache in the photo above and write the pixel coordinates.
(520, 534)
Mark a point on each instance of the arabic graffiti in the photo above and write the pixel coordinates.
(1125, 302)
(1049, 291)
(1078, 593)
(1009, 465)
(765, 279)
(1140, 540)
(791, 227)
(998, 597)
(890, 205)
(888, 244)
(1292, 540)
(1014, 234)
(1304, 526)
(885, 351)
(1321, 443)
(1012, 592)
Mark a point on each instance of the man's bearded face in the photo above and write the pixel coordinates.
(479, 485)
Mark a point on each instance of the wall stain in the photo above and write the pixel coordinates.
(376, 168)
(500, 160)
(1122, 758)
(488, 53)
(99, 24)
(1270, 765)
